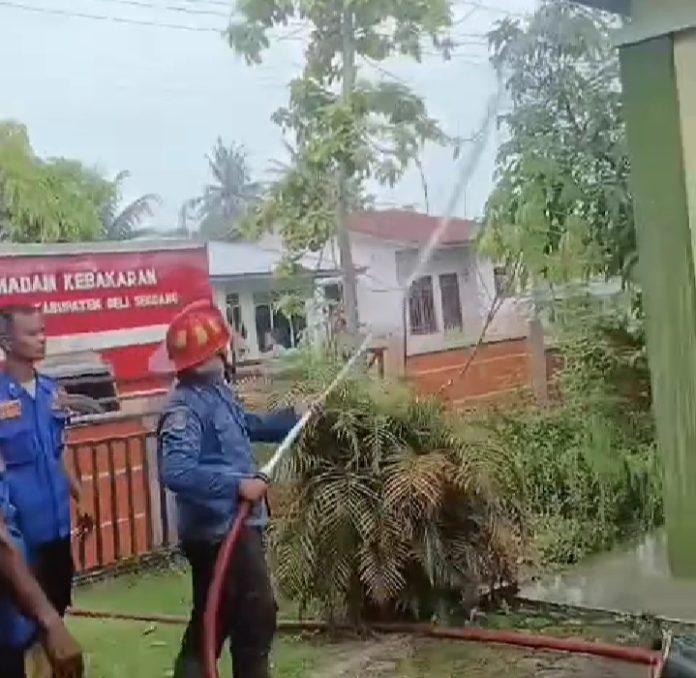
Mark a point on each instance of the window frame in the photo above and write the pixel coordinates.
(421, 305)
(453, 307)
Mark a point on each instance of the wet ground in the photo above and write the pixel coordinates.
(406, 658)
(636, 580)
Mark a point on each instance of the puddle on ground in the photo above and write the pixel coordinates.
(635, 579)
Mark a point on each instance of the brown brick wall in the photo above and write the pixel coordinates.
(498, 370)
(112, 462)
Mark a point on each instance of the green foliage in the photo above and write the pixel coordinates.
(368, 130)
(121, 222)
(561, 199)
(225, 201)
(389, 510)
(53, 200)
(588, 473)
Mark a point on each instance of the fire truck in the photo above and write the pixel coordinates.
(107, 306)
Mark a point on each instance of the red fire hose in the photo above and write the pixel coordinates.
(211, 630)
(631, 655)
(215, 592)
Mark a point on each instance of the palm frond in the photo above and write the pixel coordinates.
(390, 507)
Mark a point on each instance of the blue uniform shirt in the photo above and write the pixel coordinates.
(205, 438)
(32, 437)
(16, 631)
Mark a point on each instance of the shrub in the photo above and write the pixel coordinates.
(390, 511)
(587, 469)
(583, 481)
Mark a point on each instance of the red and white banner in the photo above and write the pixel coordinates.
(117, 303)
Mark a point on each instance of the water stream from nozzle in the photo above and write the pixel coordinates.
(425, 255)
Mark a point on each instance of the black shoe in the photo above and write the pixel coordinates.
(188, 667)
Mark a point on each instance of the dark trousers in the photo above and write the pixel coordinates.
(54, 570)
(11, 663)
(247, 611)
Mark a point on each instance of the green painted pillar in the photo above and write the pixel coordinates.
(658, 62)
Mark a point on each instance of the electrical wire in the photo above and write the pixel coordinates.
(54, 11)
(142, 4)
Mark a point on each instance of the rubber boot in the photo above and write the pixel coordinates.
(187, 666)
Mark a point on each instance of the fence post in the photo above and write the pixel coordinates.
(156, 507)
(537, 361)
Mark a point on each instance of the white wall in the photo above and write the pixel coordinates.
(512, 318)
(384, 267)
(380, 302)
(461, 261)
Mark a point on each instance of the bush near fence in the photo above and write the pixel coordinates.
(116, 457)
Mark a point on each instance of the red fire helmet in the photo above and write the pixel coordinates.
(195, 335)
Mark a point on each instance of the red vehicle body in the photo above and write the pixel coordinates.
(110, 299)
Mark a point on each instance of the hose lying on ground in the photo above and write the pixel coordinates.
(632, 655)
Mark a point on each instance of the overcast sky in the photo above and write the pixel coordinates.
(153, 99)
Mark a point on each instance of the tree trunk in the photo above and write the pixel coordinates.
(350, 292)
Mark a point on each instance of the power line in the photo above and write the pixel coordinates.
(214, 3)
(466, 17)
(293, 35)
(169, 8)
(490, 8)
(107, 18)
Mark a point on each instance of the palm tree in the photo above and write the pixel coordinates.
(227, 198)
(388, 509)
(121, 221)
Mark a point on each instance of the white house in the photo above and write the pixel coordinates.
(245, 286)
(448, 304)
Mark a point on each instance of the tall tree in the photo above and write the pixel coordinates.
(561, 205)
(121, 222)
(228, 197)
(347, 129)
(55, 200)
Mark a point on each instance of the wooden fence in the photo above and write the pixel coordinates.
(116, 461)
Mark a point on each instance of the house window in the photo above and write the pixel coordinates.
(234, 314)
(501, 281)
(421, 307)
(273, 328)
(451, 302)
(333, 294)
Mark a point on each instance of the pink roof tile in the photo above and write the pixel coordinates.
(409, 227)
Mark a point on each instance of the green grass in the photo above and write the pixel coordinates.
(117, 649)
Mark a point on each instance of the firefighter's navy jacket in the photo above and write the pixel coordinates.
(16, 631)
(32, 437)
(205, 438)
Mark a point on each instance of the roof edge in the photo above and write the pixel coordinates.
(614, 6)
(96, 247)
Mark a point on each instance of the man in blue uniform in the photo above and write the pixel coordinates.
(33, 418)
(205, 438)
(25, 612)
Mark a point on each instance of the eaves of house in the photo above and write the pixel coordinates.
(615, 6)
(236, 260)
(404, 228)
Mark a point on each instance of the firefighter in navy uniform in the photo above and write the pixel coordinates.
(207, 461)
(26, 615)
(33, 420)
